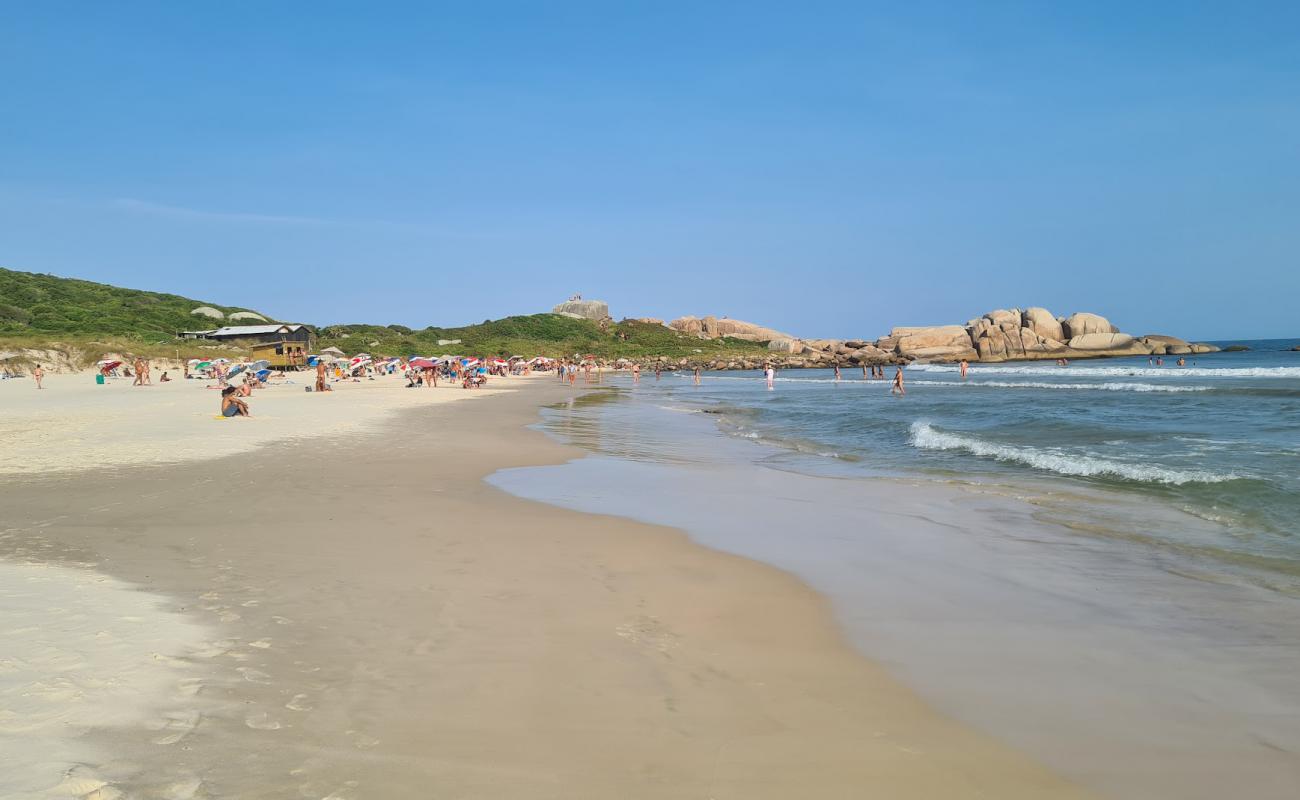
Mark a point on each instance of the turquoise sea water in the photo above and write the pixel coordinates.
(1218, 439)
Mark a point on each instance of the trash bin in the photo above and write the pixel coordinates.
(99, 378)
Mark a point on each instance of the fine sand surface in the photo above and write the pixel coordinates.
(74, 424)
(359, 615)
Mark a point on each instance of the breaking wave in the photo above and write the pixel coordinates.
(925, 437)
(1107, 387)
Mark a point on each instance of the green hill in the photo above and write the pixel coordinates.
(41, 306)
(42, 309)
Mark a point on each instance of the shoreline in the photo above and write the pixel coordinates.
(1130, 670)
(445, 636)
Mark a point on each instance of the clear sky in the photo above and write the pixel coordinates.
(827, 168)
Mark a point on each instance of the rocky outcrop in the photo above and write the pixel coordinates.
(1015, 334)
(595, 310)
(248, 315)
(209, 312)
(939, 342)
(1083, 323)
(1017, 343)
(1040, 321)
(785, 345)
(1100, 341)
(713, 327)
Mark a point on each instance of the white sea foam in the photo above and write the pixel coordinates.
(1109, 386)
(1116, 371)
(1061, 462)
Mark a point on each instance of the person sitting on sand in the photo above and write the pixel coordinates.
(232, 406)
(164, 377)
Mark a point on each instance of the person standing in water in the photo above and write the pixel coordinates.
(770, 373)
(636, 373)
(964, 366)
(897, 388)
(697, 376)
(837, 372)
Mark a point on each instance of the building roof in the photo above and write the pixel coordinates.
(253, 330)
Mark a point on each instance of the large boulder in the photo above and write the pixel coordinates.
(209, 312)
(911, 339)
(1165, 345)
(711, 327)
(1101, 341)
(785, 345)
(1018, 343)
(1201, 347)
(944, 353)
(1083, 323)
(1040, 321)
(1004, 319)
(595, 310)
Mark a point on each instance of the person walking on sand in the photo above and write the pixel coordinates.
(38, 375)
(897, 388)
(964, 367)
(139, 372)
(320, 374)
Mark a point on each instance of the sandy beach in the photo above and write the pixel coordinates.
(355, 613)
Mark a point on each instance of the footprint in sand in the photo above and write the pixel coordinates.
(298, 703)
(260, 644)
(253, 675)
(176, 725)
(261, 721)
(189, 687)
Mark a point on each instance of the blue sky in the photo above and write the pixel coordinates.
(827, 168)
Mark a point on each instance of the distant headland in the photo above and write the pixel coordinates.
(68, 323)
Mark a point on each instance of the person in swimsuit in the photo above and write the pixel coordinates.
(232, 406)
(38, 374)
(897, 388)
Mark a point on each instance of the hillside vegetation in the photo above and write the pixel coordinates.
(43, 310)
(41, 306)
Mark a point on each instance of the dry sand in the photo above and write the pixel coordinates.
(74, 424)
(380, 622)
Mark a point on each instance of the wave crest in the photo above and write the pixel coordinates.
(925, 437)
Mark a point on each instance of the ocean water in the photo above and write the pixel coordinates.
(1097, 564)
(1218, 440)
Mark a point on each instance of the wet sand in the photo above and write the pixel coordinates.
(380, 622)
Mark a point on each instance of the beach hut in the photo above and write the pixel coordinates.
(283, 354)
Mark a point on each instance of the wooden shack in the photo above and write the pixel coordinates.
(284, 354)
